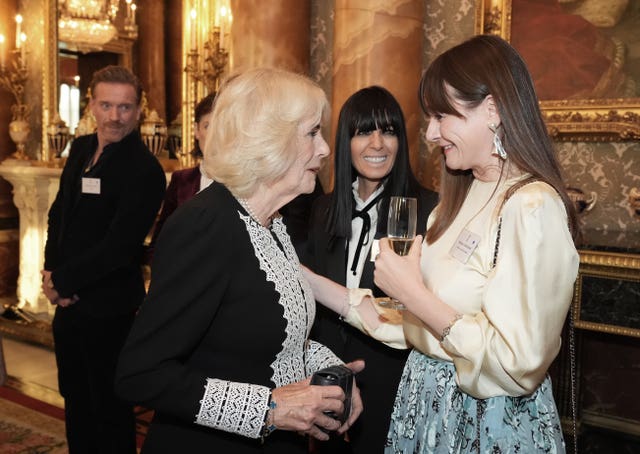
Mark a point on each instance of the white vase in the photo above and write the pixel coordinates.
(19, 131)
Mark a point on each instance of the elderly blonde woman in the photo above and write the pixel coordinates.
(220, 348)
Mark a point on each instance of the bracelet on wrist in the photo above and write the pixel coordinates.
(268, 427)
(445, 332)
(353, 298)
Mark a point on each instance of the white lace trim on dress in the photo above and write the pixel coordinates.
(240, 407)
(283, 269)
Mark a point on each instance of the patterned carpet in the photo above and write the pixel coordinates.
(30, 426)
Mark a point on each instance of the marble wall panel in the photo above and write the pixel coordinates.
(274, 35)
(610, 301)
(321, 67)
(379, 43)
(609, 170)
(446, 23)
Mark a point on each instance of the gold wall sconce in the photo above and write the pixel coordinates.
(207, 53)
(13, 79)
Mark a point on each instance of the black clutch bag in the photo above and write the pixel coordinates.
(340, 376)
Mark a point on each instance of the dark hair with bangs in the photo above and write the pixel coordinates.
(481, 66)
(367, 109)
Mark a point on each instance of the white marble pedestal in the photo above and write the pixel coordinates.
(34, 189)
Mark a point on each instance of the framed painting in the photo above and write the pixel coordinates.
(584, 56)
(606, 293)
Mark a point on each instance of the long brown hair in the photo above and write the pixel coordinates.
(481, 66)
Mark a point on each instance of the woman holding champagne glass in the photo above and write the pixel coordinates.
(371, 165)
(488, 290)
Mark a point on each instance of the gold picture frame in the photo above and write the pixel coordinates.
(607, 270)
(584, 120)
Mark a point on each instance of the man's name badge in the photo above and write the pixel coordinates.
(90, 185)
(466, 243)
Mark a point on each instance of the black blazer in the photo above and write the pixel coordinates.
(295, 216)
(94, 243)
(214, 312)
(330, 260)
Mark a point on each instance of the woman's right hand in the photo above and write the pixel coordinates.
(400, 276)
(300, 407)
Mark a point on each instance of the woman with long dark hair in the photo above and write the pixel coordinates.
(487, 293)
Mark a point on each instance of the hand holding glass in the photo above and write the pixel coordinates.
(401, 231)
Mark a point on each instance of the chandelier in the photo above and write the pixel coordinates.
(87, 23)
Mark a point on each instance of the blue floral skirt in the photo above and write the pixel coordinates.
(432, 415)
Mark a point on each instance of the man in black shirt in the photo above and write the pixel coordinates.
(110, 191)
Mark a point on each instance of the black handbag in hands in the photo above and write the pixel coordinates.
(340, 376)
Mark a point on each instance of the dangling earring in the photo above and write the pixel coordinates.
(498, 148)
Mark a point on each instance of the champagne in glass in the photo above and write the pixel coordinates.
(401, 246)
(401, 231)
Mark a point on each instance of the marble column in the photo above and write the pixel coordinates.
(151, 66)
(379, 43)
(274, 33)
(34, 189)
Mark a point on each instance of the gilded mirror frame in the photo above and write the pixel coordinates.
(582, 120)
(121, 47)
(49, 71)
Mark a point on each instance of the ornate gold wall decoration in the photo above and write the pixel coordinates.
(575, 119)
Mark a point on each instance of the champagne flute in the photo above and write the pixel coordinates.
(401, 231)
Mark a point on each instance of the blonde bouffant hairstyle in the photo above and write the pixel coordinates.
(253, 130)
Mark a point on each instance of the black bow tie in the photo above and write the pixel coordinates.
(366, 226)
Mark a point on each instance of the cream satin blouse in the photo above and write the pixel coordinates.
(513, 313)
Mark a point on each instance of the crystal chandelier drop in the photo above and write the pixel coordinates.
(87, 23)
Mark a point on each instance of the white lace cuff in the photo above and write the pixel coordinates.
(319, 356)
(233, 407)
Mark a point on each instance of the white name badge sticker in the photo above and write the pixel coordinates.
(375, 250)
(90, 185)
(466, 243)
